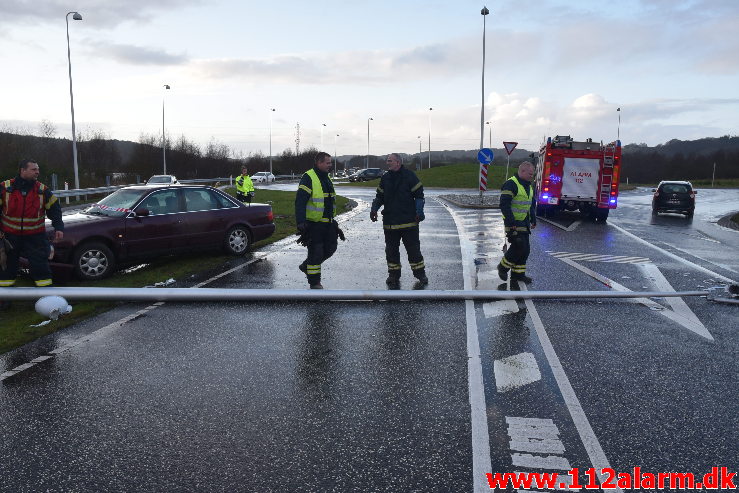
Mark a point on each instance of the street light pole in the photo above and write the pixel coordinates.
(430, 109)
(336, 162)
(322, 125)
(366, 164)
(78, 17)
(164, 135)
(618, 129)
(484, 12)
(419, 154)
(490, 135)
(271, 110)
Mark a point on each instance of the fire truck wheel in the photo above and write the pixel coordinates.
(601, 215)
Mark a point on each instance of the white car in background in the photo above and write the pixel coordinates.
(162, 180)
(263, 177)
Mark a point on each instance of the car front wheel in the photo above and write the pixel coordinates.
(237, 240)
(93, 261)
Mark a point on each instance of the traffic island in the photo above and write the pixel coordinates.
(489, 200)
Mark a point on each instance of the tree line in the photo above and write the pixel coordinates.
(102, 159)
(681, 160)
(124, 162)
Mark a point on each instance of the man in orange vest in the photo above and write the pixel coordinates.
(24, 205)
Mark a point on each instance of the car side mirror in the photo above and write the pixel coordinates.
(695, 191)
(654, 189)
(141, 212)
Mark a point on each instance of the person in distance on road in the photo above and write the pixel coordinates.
(315, 208)
(244, 186)
(518, 205)
(400, 193)
(24, 205)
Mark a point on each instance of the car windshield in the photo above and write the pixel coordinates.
(675, 188)
(117, 204)
(160, 179)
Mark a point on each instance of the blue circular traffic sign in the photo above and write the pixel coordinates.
(485, 156)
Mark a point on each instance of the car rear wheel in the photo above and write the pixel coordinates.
(237, 240)
(93, 261)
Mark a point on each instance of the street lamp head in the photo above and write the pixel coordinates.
(323, 124)
(166, 86)
(430, 109)
(77, 16)
(484, 11)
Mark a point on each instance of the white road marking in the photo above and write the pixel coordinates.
(587, 435)
(515, 371)
(498, 308)
(689, 322)
(541, 461)
(596, 257)
(481, 462)
(571, 227)
(673, 256)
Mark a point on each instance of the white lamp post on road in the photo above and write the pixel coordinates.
(78, 17)
(420, 163)
(271, 110)
(490, 136)
(322, 126)
(484, 12)
(430, 109)
(366, 164)
(164, 135)
(336, 162)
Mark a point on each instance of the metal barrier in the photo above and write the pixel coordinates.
(216, 294)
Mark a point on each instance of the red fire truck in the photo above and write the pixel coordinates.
(578, 175)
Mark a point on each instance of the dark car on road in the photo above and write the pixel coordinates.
(674, 196)
(135, 224)
(367, 174)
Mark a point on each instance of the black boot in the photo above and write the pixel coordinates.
(502, 273)
(393, 281)
(422, 279)
(521, 277)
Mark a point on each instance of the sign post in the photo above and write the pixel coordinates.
(509, 146)
(485, 157)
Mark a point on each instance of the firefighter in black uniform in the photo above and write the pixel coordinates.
(518, 205)
(24, 205)
(315, 208)
(401, 194)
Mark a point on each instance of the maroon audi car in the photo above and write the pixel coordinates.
(135, 224)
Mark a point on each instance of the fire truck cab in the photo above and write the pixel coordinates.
(578, 176)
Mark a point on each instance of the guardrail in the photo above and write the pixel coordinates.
(79, 192)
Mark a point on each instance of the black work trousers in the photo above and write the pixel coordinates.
(322, 244)
(412, 244)
(517, 254)
(36, 249)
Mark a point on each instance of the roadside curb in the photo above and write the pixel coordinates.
(726, 222)
(473, 201)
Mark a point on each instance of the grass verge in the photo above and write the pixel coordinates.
(452, 176)
(17, 320)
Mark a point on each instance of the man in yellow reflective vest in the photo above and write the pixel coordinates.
(24, 205)
(244, 186)
(315, 208)
(518, 205)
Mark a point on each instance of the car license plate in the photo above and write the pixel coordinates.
(554, 200)
(673, 201)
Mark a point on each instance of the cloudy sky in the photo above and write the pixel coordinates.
(552, 67)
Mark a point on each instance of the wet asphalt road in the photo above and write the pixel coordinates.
(382, 396)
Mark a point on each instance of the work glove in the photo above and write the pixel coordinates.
(373, 216)
(419, 210)
(251, 194)
(511, 235)
(302, 228)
